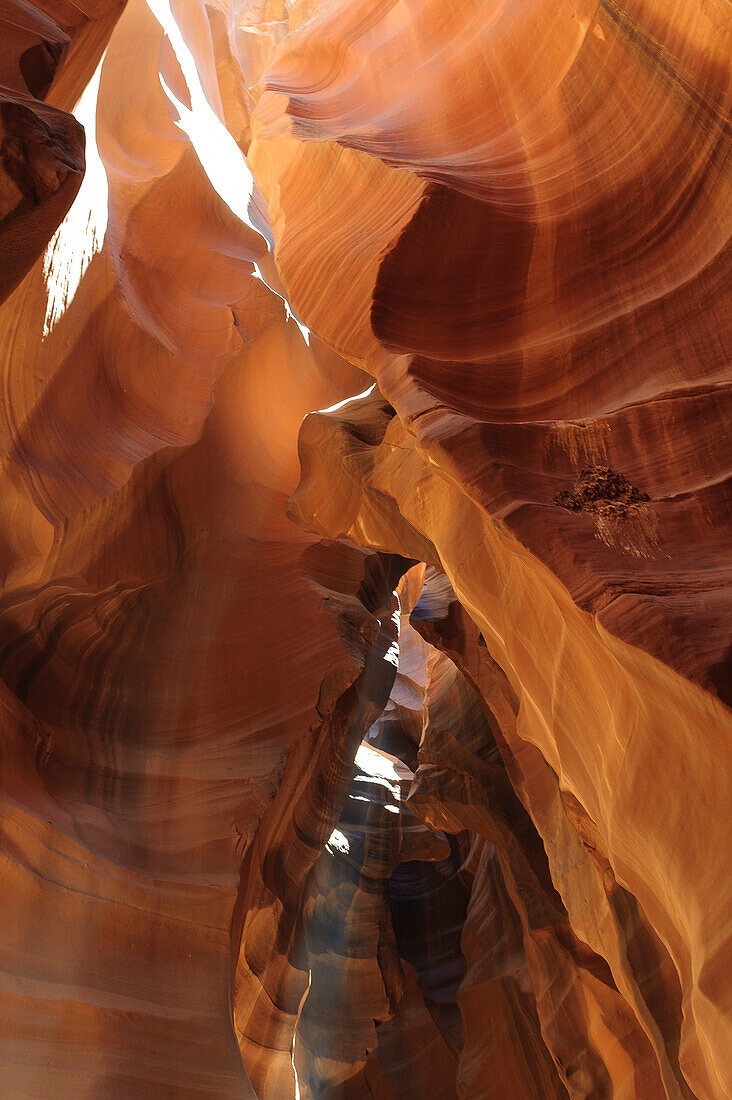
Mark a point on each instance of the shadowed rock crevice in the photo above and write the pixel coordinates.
(364, 545)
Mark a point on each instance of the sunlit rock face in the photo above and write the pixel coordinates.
(364, 541)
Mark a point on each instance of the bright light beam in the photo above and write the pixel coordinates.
(347, 400)
(81, 234)
(221, 158)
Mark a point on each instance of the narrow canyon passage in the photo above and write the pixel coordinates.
(365, 550)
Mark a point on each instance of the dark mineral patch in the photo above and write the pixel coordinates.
(603, 491)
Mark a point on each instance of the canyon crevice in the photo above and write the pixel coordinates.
(365, 655)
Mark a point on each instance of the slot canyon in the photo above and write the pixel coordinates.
(365, 515)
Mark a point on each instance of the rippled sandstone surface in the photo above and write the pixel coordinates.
(365, 512)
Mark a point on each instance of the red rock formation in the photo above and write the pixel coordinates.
(41, 144)
(364, 516)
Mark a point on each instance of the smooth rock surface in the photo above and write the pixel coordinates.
(364, 539)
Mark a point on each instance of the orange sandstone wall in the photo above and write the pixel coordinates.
(364, 541)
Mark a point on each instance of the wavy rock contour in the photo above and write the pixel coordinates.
(364, 541)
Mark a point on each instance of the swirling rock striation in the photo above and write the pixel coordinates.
(364, 539)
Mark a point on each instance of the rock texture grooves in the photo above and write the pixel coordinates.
(365, 550)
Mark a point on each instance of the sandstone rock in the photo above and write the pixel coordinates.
(364, 539)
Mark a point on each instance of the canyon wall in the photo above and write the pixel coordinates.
(365, 550)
